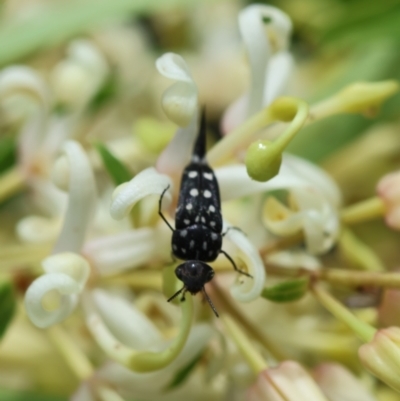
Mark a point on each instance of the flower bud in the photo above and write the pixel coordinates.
(388, 189)
(287, 382)
(381, 356)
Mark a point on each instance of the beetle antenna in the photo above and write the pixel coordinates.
(176, 294)
(209, 301)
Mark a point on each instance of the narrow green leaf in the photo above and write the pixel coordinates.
(184, 373)
(117, 170)
(14, 395)
(62, 21)
(7, 305)
(8, 152)
(287, 291)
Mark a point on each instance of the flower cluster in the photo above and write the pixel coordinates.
(87, 258)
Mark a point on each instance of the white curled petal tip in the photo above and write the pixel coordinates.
(252, 287)
(81, 202)
(278, 72)
(294, 259)
(257, 18)
(71, 264)
(173, 66)
(179, 101)
(24, 80)
(64, 285)
(147, 182)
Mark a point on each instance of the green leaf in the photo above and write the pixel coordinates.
(13, 395)
(61, 21)
(184, 373)
(8, 153)
(7, 305)
(287, 291)
(117, 170)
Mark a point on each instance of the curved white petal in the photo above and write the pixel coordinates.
(153, 384)
(173, 66)
(252, 287)
(129, 249)
(175, 156)
(37, 229)
(294, 259)
(25, 81)
(127, 323)
(278, 72)
(78, 77)
(82, 200)
(71, 264)
(254, 20)
(147, 182)
(234, 181)
(179, 101)
(60, 282)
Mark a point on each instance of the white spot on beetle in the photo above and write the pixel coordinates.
(197, 219)
(186, 221)
(191, 244)
(205, 245)
(174, 247)
(183, 250)
(208, 176)
(194, 192)
(192, 174)
(211, 208)
(212, 223)
(189, 206)
(184, 233)
(214, 236)
(210, 253)
(207, 194)
(203, 220)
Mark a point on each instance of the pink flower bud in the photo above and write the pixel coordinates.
(289, 381)
(388, 189)
(381, 356)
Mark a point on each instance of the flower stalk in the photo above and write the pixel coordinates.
(252, 356)
(73, 356)
(365, 210)
(363, 330)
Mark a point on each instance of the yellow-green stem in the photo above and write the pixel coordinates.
(355, 278)
(107, 393)
(225, 148)
(358, 253)
(224, 302)
(364, 331)
(365, 210)
(141, 279)
(252, 356)
(11, 182)
(73, 356)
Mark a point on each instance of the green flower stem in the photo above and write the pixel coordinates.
(107, 393)
(365, 210)
(138, 280)
(22, 255)
(139, 361)
(358, 253)
(224, 302)
(355, 278)
(363, 330)
(11, 182)
(253, 358)
(225, 148)
(73, 356)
